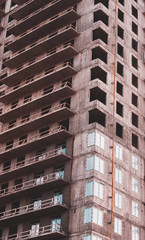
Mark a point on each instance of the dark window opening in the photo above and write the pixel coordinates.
(134, 44)
(22, 139)
(13, 4)
(47, 90)
(134, 100)
(104, 2)
(65, 124)
(119, 109)
(99, 73)
(27, 98)
(21, 160)
(6, 166)
(6, 49)
(120, 50)
(97, 94)
(45, 110)
(8, 34)
(100, 34)
(119, 88)
(134, 81)
(134, 119)
(2, 210)
(96, 115)
(66, 101)
(134, 28)
(10, 19)
(12, 124)
(4, 187)
(134, 62)
(101, 16)
(15, 207)
(13, 232)
(67, 81)
(120, 15)
(9, 144)
(3, 76)
(134, 140)
(99, 53)
(16, 86)
(25, 118)
(31, 61)
(44, 131)
(41, 154)
(120, 32)
(119, 130)
(121, 2)
(14, 104)
(134, 12)
(120, 69)
(18, 183)
(63, 146)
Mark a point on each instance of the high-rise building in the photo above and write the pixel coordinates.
(62, 150)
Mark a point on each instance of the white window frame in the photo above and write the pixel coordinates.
(135, 233)
(94, 215)
(91, 237)
(118, 226)
(135, 185)
(95, 138)
(135, 209)
(118, 200)
(119, 152)
(94, 188)
(135, 162)
(118, 175)
(95, 163)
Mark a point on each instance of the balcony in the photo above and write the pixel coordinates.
(23, 213)
(46, 182)
(43, 62)
(35, 121)
(50, 136)
(51, 96)
(52, 75)
(42, 46)
(56, 156)
(42, 30)
(40, 15)
(47, 232)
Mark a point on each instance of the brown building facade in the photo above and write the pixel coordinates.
(56, 119)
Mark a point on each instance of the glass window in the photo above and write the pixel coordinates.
(119, 152)
(95, 188)
(56, 224)
(118, 200)
(135, 209)
(118, 175)
(91, 237)
(117, 226)
(96, 163)
(93, 215)
(135, 185)
(135, 162)
(58, 196)
(35, 229)
(135, 233)
(37, 203)
(87, 215)
(95, 138)
(91, 139)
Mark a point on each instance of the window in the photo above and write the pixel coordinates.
(96, 163)
(25, 118)
(56, 224)
(100, 53)
(35, 229)
(101, 16)
(119, 152)
(59, 171)
(18, 183)
(15, 207)
(121, 2)
(134, 119)
(134, 81)
(119, 130)
(12, 124)
(135, 233)
(120, 50)
(13, 231)
(9, 144)
(120, 32)
(119, 88)
(99, 33)
(4, 188)
(47, 90)
(134, 100)
(58, 197)
(135, 209)
(22, 139)
(118, 226)
(95, 115)
(135, 185)
(120, 15)
(93, 215)
(95, 189)
(118, 175)
(134, 12)
(118, 200)
(91, 237)
(45, 110)
(134, 28)
(98, 94)
(27, 98)
(44, 131)
(41, 154)
(120, 69)
(134, 62)
(37, 203)
(119, 109)
(99, 73)
(104, 2)
(14, 104)
(39, 177)
(135, 162)
(134, 44)
(21, 160)
(6, 165)
(95, 138)
(134, 140)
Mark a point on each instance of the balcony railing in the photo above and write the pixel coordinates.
(31, 161)
(54, 229)
(34, 79)
(39, 115)
(31, 184)
(32, 208)
(40, 136)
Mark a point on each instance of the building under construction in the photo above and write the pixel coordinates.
(72, 91)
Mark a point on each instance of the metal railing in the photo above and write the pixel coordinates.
(33, 160)
(49, 229)
(36, 137)
(31, 183)
(31, 207)
(35, 78)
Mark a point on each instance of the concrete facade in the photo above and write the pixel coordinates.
(56, 104)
